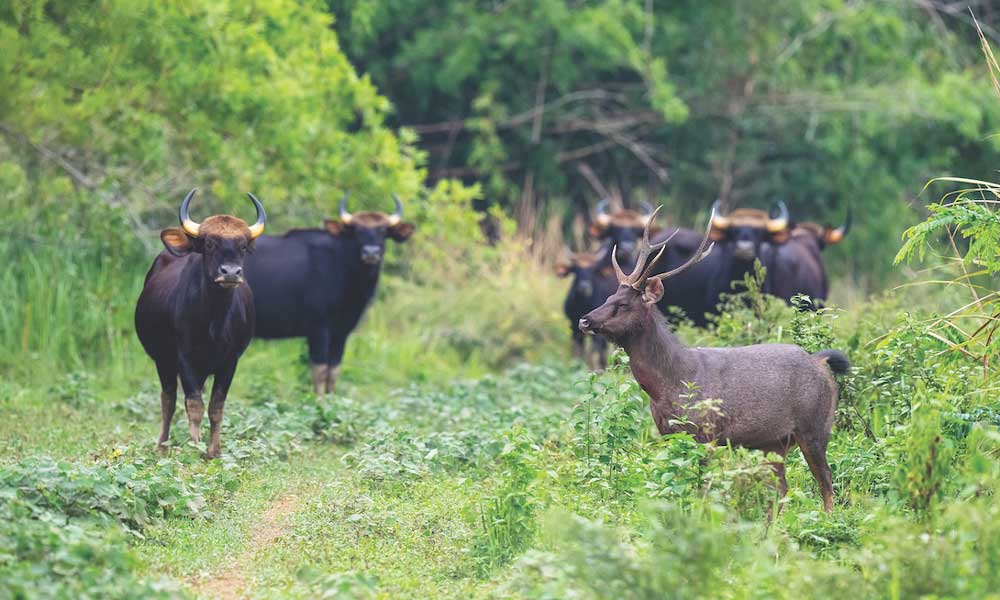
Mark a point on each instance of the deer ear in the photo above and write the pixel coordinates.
(653, 291)
(177, 242)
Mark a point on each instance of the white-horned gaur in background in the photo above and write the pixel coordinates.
(796, 266)
(766, 397)
(195, 315)
(317, 283)
(620, 229)
(593, 281)
(740, 238)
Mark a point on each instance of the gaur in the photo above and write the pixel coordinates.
(767, 397)
(195, 315)
(740, 238)
(317, 283)
(620, 229)
(796, 266)
(593, 282)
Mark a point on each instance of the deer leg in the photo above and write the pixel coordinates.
(814, 452)
(779, 471)
(168, 400)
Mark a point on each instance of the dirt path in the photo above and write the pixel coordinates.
(230, 583)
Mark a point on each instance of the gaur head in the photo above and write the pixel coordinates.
(369, 229)
(823, 235)
(744, 230)
(222, 240)
(625, 312)
(621, 229)
(586, 270)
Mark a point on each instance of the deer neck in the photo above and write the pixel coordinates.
(659, 361)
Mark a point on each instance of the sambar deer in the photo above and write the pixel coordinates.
(766, 397)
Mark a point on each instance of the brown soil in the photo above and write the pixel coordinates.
(230, 583)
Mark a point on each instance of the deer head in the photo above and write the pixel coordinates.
(624, 312)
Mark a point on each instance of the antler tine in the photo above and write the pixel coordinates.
(622, 277)
(699, 255)
(642, 270)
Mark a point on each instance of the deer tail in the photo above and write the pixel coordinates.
(835, 359)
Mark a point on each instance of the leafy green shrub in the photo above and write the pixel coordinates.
(339, 586)
(747, 315)
(43, 556)
(75, 389)
(507, 518)
(609, 423)
(136, 493)
(923, 456)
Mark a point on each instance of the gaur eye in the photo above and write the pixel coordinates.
(209, 244)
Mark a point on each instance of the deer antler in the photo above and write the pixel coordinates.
(637, 279)
(704, 249)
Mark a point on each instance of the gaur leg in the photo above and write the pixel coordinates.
(338, 341)
(319, 358)
(598, 353)
(167, 371)
(192, 382)
(814, 451)
(579, 350)
(220, 389)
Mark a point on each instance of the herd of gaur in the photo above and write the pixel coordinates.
(220, 283)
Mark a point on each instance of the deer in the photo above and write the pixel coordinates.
(767, 397)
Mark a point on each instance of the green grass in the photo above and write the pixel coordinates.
(450, 467)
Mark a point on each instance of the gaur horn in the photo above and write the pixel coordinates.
(718, 221)
(397, 216)
(190, 227)
(344, 215)
(835, 236)
(602, 218)
(646, 209)
(257, 228)
(779, 223)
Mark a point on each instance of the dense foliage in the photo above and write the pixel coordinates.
(822, 103)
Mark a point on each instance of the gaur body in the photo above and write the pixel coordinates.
(593, 281)
(767, 397)
(195, 315)
(317, 283)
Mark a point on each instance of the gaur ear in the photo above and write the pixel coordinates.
(717, 234)
(780, 237)
(598, 231)
(334, 226)
(177, 242)
(401, 231)
(563, 269)
(653, 290)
